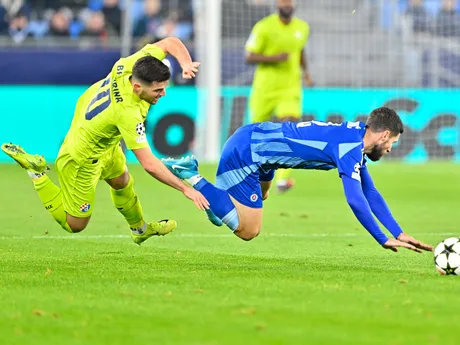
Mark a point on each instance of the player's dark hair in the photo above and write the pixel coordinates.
(149, 69)
(385, 119)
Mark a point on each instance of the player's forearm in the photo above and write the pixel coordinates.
(176, 48)
(303, 62)
(382, 212)
(378, 205)
(361, 209)
(158, 170)
(260, 58)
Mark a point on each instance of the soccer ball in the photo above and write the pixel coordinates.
(447, 256)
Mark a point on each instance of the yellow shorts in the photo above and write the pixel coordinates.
(78, 181)
(264, 108)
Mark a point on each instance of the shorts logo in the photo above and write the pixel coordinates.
(85, 207)
(140, 129)
(254, 197)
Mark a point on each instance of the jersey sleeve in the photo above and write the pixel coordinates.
(257, 39)
(155, 51)
(350, 159)
(378, 205)
(131, 126)
(361, 209)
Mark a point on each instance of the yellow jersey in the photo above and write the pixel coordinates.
(270, 36)
(109, 111)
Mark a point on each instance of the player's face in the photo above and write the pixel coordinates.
(153, 92)
(285, 8)
(383, 146)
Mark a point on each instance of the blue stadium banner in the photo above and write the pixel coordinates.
(38, 117)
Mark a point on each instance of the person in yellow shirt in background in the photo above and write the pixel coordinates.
(112, 109)
(277, 45)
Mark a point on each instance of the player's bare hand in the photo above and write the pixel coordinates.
(393, 245)
(188, 71)
(200, 201)
(307, 79)
(416, 243)
(282, 57)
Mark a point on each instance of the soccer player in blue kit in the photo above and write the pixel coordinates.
(253, 153)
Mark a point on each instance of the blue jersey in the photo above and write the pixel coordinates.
(255, 151)
(309, 145)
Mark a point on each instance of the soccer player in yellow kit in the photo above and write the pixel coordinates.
(276, 45)
(112, 109)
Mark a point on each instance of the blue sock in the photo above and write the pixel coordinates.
(220, 203)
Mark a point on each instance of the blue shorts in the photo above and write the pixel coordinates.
(237, 173)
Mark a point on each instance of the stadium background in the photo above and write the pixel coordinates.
(314, 275)
(362, 54)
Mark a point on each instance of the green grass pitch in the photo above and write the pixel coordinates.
(313, 276)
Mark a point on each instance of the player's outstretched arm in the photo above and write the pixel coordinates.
(265, 187)
(174, 46)
(381, 210)
(158, 170)
(261, 58)
(362, 211)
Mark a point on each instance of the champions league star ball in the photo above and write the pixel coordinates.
(447, 256)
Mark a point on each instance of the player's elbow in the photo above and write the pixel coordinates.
(249, 58)
(150, 169)
(173, 40)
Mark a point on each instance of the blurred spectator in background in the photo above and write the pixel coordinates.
(3, 20)
(150, 21)
(13, 10)
(153, 19)
(173, 26)
(112, 13)
(18, 28)
(448, 20)
(418, 16)
(60, 23)
(95, 26)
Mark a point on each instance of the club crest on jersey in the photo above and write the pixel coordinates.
(254, 197)
(85, 207)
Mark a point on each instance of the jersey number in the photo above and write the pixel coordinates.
(90, 113)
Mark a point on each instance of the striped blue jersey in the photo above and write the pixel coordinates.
(309, 145)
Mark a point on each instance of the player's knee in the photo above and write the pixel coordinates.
(75, 228)
(76, 224)
(247, 234)
(119, 182)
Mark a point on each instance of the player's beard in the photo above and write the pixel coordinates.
(286, 12)
(376, 153)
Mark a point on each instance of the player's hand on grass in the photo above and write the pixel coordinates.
(393, 245)
(200, 201)
(416, 243)
(188, 71)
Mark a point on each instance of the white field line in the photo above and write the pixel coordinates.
(90, 237)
